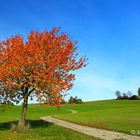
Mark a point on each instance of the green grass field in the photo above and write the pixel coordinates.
(40, 130)
(115, 115)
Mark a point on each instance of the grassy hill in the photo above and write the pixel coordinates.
(123, 116)
(116, 115)
(40, 130)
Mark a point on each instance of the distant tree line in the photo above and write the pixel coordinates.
(75, 100)
(127, 96)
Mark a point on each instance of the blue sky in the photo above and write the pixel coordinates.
(107, 31)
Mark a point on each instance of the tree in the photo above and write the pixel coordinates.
(134, 97)
(71, 100)
(39, 67)
(4, 97)
(129, 93)
(118, 94)
(75, 100)
(138, 91)
(124, 96)
(79, 101)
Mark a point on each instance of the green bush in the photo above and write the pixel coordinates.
(134, 97)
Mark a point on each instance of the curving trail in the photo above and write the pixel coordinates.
(73, 111)
(98, 133)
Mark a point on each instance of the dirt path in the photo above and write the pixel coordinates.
(98, 133)
(73, 111)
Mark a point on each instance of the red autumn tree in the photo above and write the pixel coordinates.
(39, 67)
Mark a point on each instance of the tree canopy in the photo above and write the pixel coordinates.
(39, 66)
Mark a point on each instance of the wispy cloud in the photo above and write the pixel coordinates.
(95, 86)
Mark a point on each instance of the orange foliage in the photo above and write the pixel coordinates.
(40, 67)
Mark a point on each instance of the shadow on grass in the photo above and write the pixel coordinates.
(33, 124)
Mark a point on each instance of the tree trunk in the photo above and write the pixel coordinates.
(24, 109)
